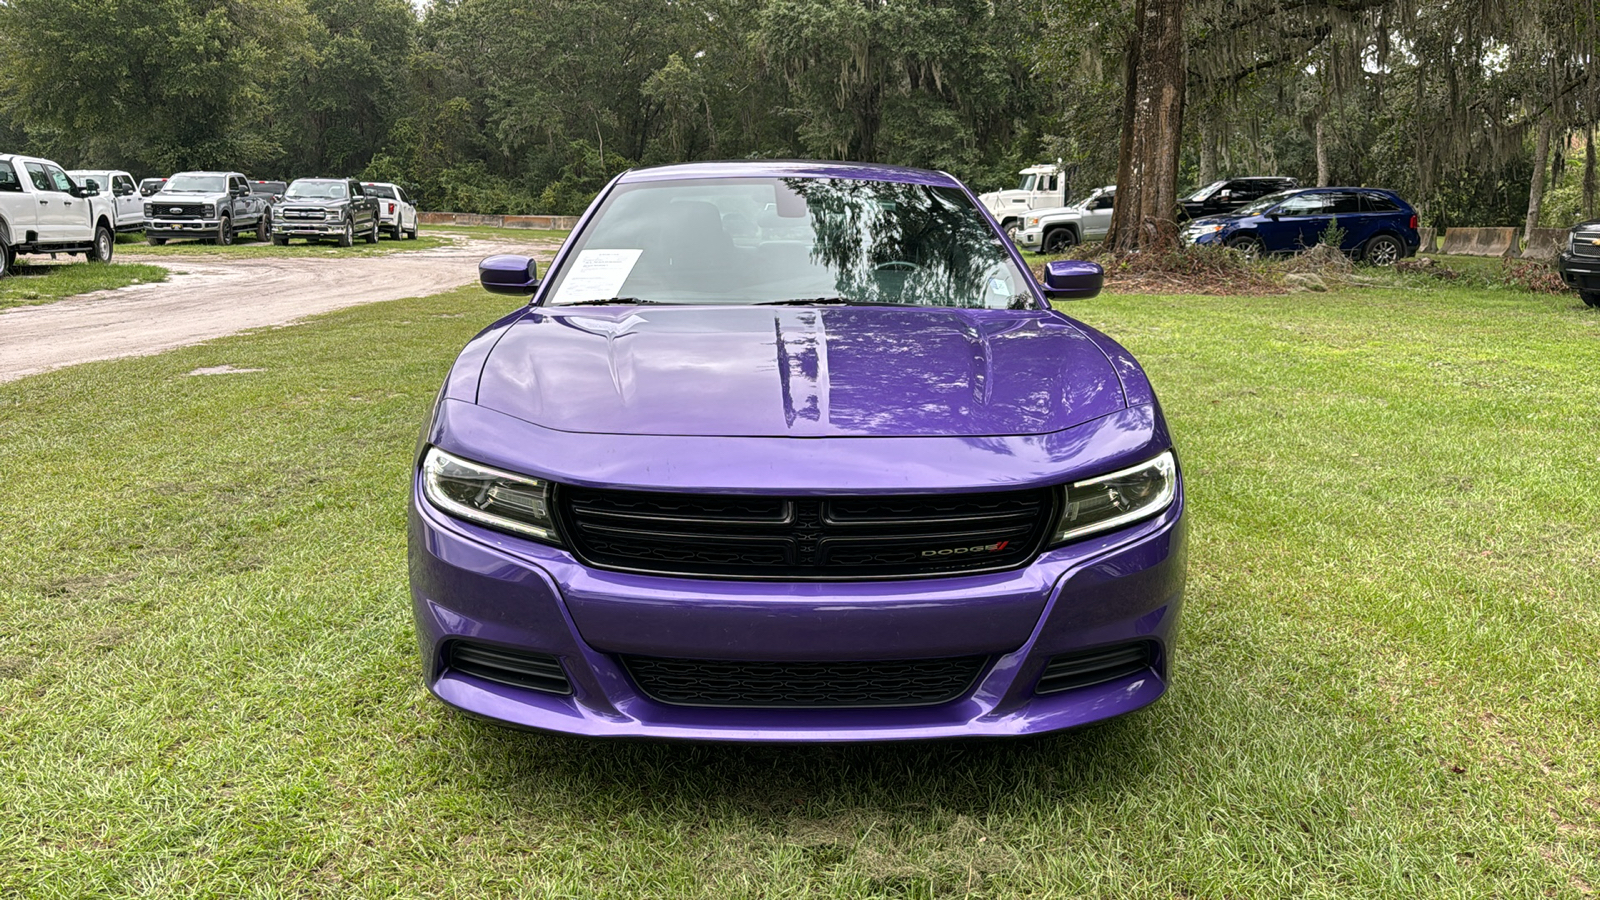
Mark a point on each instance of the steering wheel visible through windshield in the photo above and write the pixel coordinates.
(801, 241)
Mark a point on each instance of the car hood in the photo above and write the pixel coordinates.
(326, 203)
(188, 197)
(803, 372)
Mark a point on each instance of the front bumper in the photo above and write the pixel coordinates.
(308, 227)
(181, 227)
(498, 590)
(1030, 240)
(1581, 273)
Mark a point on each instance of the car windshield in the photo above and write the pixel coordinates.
(197, 184)
(316, 190)
(1206, 191)
(790, 240)
(378, 190)
(1027, 182)
(1265, 203)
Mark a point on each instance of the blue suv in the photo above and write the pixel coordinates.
(1379, 227)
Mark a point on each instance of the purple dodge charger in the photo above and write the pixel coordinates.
(794, 451)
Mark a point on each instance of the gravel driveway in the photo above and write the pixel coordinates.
(214, 297)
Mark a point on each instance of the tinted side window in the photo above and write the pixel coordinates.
(355, 189)
(41, 181)
(402, 195)
(1342, 204)
(122, 183)
(1378, 203)
(9, 182)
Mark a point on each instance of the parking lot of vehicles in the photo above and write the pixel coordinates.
(396, 214)
(212, 206)
(1373, 225)
(126, 204)
(1054, 230)
(326, 209)
(42, 210)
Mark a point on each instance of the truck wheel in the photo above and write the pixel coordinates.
(263, 228)
(224, 232)
(155, 241)
(1059, 239)
(105, 244)
(412, 234)
(1009, 226)
(7, 257)
(1592, 298)
(398, 232)
(372, 236)
(280, 240)
(347, 238)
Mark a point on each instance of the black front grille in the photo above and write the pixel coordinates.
(1583, 244)
(804, 685)
(1091, 667)
(804, 537)
(179, 210)
(535, 671)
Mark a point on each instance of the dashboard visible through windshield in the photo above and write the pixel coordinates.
(801, 241)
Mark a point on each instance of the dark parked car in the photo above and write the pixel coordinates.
(332, 208)
(794, 451)
(1579, 263)
(1377, 226)
(1230, 194)
(149, 187)
(272, 190)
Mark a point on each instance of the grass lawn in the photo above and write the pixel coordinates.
(133, 247)
(1387, 685)
(32, 283)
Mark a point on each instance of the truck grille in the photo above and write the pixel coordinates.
(830, 538)
(804, 685)
(1583, 244)
(314, 213)
(179, 210)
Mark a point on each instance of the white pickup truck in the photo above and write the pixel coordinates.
(43, 211)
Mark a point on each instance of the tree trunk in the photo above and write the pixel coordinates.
(1145, 214)
(1208, 146)
(1588, 172)
(1541, 162)
(1322, 153)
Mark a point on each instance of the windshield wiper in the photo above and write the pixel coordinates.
(809, 301)
(617, 301)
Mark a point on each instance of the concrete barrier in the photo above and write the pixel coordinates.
(454, 218)
(1430, 240)
(1545, 243)
(1480, 242)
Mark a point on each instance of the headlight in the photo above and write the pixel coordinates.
(488, 496)
(1111, 501)
(208, 210)
(1208, 228)
(149, 210)
(1031, 222)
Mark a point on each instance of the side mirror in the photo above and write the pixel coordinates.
(1274, 215)
(1071, 279)
(84, 191)
(517, 275)
(241, 192)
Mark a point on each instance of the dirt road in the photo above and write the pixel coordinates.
(215, 296)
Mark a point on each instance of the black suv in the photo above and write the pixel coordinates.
(1229, 194)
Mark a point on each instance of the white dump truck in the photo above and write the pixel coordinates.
(1041, 187)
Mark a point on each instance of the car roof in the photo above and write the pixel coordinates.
(789, 168)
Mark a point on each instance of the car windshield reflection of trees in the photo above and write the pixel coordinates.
(806, 240)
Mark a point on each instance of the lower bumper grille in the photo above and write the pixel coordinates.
(804, 685)
(1090, 667)
(534, 671)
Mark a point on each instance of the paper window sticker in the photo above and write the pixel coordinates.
(597, 275)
